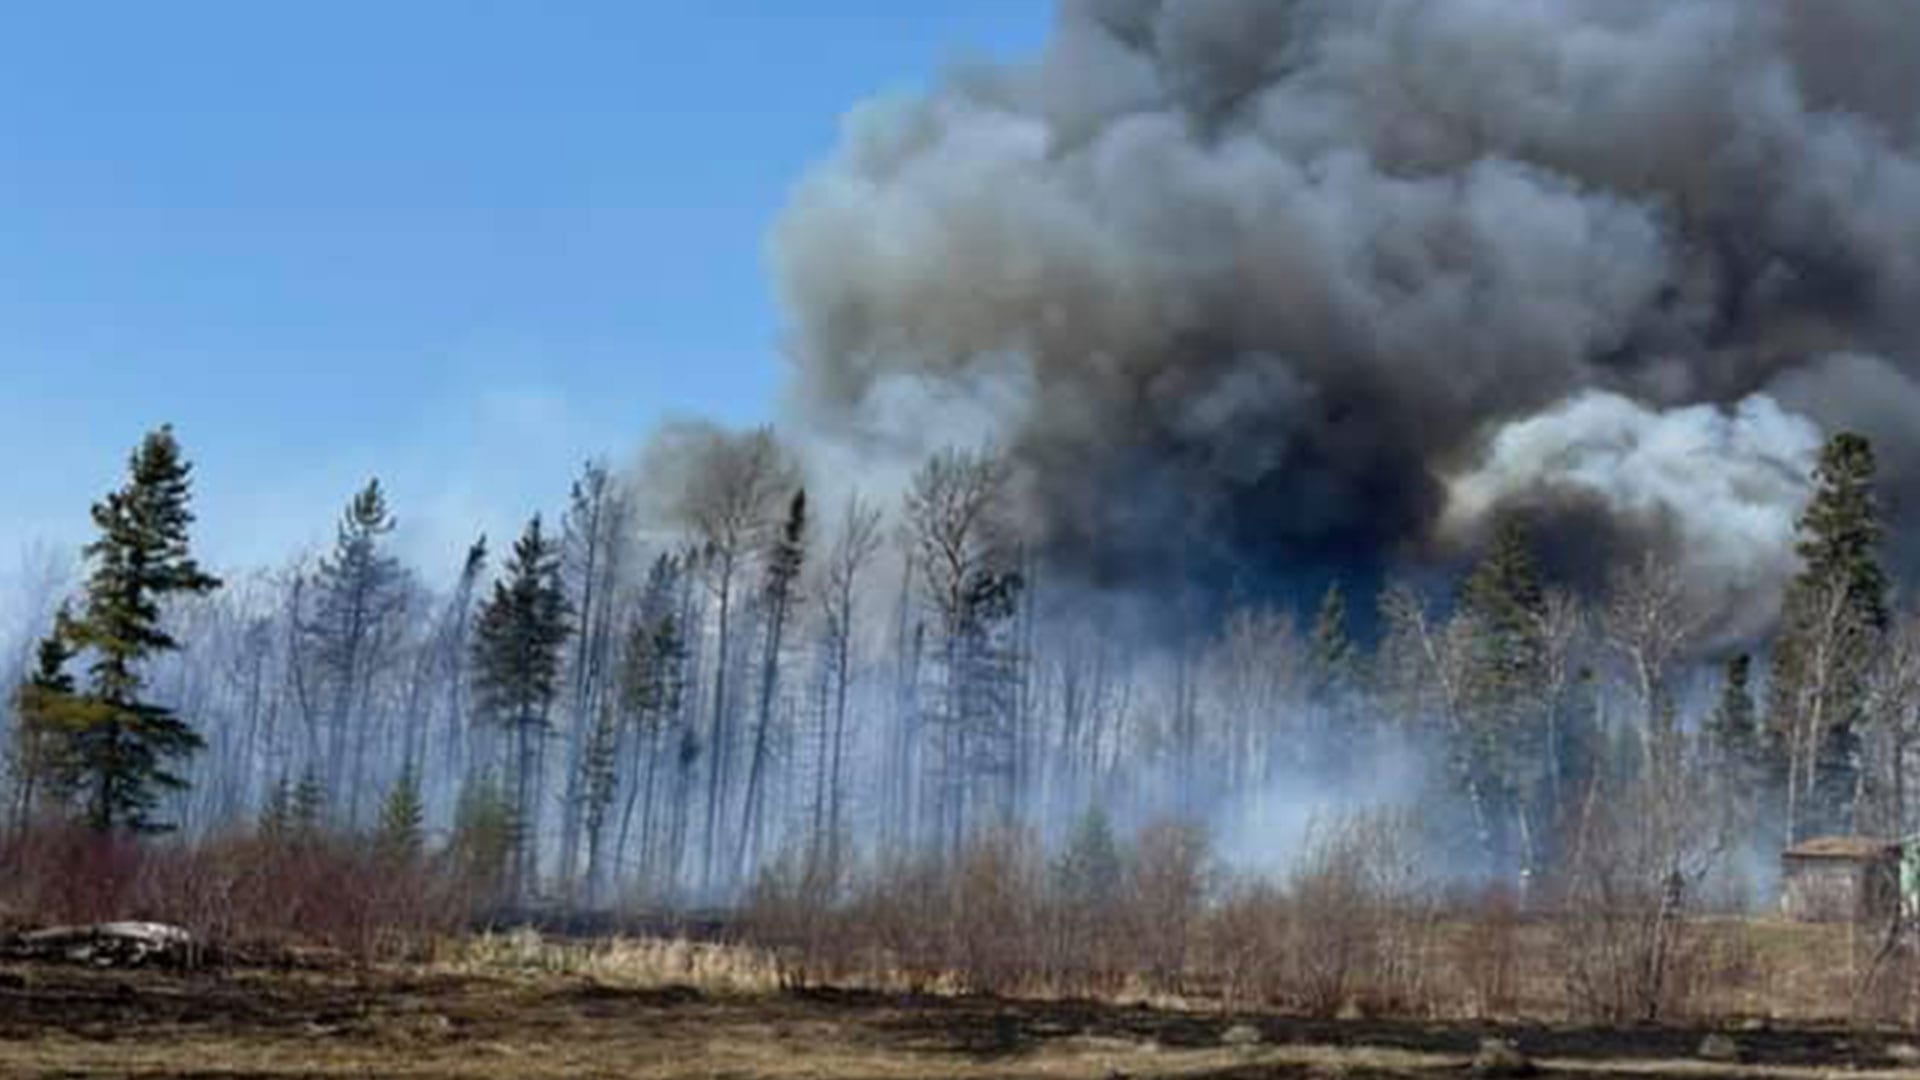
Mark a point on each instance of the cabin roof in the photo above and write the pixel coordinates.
(1843, 847)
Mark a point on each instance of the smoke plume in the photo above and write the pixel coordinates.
(1261, 285)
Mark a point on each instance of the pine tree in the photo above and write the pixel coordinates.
(308, 810)
(47, 711)
(1732, 731)
(276, 814)
(1087, 879)
(650, 690)
(484, 836)
(1834, 613)
(1333, 655)
(1503, 745)
(359, 592)
(1504, 593)
(1738, 758)
(592, 547)
(1840, 530)
(1332, 671)
(116, 746)
(399, 839)
(1088, 872)
(517, 644)
(599, 780)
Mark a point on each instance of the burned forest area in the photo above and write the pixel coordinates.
(1298, 538)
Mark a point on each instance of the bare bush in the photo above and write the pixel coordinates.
(793, 909)
(1487, 954)
(1165, 889)
(247, 893)
(995, 913)
(1364, 919)
(1246, 941)
(1623, 932)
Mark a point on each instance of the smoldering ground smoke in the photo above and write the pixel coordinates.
(1267, 285)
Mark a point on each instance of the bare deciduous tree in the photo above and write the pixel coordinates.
(1649, 623)
(730, 491)
(955, 524)
(855, 545)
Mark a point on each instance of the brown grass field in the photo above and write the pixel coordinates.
(522, 1007)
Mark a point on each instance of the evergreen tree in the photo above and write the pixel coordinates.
(1835, 612)
(359, 592)
(1503, 745)
(650, 690)
(599, 780)
(1333, 656)
(1087, 879)
(592, 548)
(1088, 873)
(399, 839)
(1332, 671)
(47, 711)
(517, 645)
(1505, 596)
(1840, 530)
(308, 811)
(485, 832)
(276, 814)
(1732, 730)
(115, 745)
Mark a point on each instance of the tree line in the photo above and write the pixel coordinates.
(697, 674)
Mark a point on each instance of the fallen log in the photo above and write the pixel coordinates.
(110, 945)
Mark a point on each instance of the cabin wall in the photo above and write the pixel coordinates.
(1838, 890)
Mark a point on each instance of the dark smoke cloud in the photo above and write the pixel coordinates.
(1271, 284)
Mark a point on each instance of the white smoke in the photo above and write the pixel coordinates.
(1721, 489)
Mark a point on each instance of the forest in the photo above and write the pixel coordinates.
(749, 703)
(1396, 506)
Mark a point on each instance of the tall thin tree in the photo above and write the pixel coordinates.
(517, 643)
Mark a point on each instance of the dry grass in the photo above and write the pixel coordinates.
(628, 963)
(519, 1006)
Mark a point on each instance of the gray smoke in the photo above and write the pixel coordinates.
(1254, 284)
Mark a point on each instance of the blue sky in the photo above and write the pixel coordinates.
(458, 245)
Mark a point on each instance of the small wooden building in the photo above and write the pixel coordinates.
(1841, 879)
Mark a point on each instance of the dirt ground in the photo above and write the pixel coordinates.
(65, 1022)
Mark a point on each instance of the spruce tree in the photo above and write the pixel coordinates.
(1732, 731)
(308, 811)
(359, 591)
(1840, 530)
(119, 747)
(599, 779)
(1503, 748)
(1505, 595)
(1087, 881)
(47, 711)
(1834, 613)
(484, 835)
(399, 839)
(1736, 753)
(276, 814)
(1088, 873)
(1332, 653)
(651, 687)
(517, 652)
